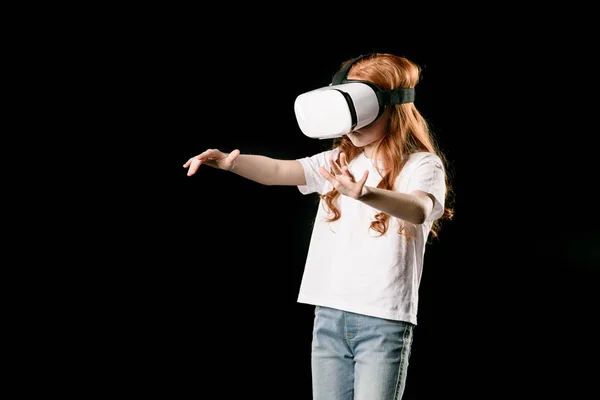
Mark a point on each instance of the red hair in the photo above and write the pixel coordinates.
(407, 132)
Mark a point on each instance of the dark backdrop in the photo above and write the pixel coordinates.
(507, 296)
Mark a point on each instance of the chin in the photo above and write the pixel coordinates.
(358, 140)
(355, 141)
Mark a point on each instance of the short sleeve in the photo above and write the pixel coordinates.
(314, 180)
(428, 175)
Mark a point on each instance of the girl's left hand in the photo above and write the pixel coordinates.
(343, 180)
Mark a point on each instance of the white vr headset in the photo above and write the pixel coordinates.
(345, 105)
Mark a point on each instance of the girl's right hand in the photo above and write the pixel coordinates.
(214, 158)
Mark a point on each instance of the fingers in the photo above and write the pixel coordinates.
(327, 175)
(344, 163)
(210, 154)
(190, 161)
(343, 160)
(342, 167)
(335, 167)
(363, 180)
(202, 156)
(194, 164)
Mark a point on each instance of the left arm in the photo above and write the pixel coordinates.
(413, 207)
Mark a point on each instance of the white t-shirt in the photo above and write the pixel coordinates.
(350, 267)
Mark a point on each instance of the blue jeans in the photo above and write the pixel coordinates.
(358, 357)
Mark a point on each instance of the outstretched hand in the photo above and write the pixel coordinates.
(214, 158)
(343, 180)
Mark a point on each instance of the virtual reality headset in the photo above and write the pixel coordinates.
(345, 105)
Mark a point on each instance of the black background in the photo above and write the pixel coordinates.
(214, 262)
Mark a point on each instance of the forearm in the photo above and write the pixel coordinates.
(268, 171)
(408, 207)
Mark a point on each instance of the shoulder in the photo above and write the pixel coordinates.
(314, 162)
(423, 158)
(327, 153)
(323, 156)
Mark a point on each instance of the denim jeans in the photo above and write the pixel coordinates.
(358, 357)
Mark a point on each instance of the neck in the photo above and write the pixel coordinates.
(369, 150)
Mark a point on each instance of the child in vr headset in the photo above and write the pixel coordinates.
(384, 191)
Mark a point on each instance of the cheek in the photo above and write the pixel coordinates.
(372, 134)
(378, 130)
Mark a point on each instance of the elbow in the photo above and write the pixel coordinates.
(422, 210)
(415, 218)
(420, 216)
(420, 219)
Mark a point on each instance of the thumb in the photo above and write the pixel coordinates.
(232, 156)
(364, 177)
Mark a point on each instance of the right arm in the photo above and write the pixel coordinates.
(261, 169)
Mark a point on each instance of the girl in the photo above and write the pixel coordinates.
(383, 191)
